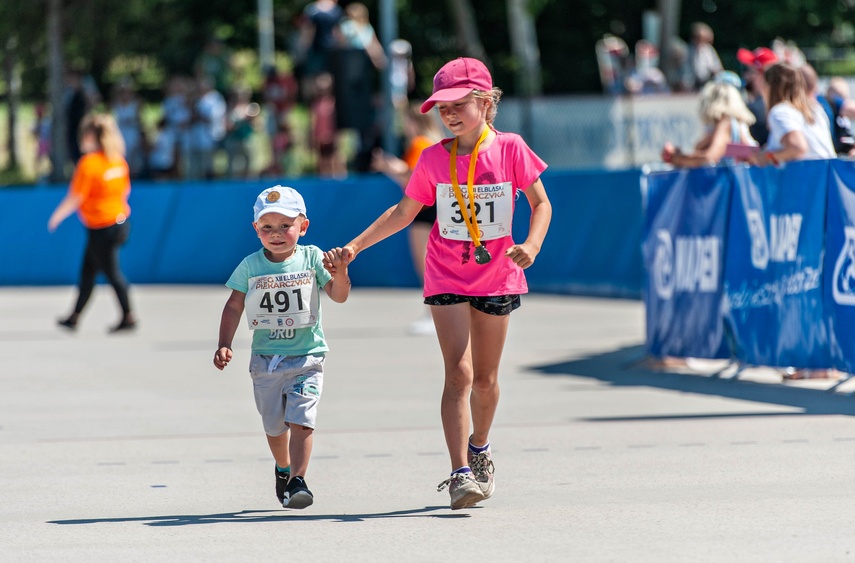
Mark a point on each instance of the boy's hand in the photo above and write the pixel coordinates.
(222, 357)
(522, 254)
(337, 260)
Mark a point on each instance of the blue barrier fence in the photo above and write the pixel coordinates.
(756, 264)
(198, 232)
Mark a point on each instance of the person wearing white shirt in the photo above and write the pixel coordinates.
(798, 126)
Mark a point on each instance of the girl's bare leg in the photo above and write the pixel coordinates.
(452, 329)
(488, 340)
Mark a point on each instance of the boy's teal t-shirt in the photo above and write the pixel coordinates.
(285, 341)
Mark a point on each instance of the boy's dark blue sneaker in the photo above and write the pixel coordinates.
(281, 483)
(297, 494)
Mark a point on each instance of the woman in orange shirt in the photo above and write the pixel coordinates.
(99, 194)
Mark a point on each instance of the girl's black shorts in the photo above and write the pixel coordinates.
(492, 305)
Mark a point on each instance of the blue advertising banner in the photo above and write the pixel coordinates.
(683, 242)
(773, 302)
(840, 264)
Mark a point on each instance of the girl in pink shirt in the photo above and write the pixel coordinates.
(473, 269)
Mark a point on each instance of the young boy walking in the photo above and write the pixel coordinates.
(278, 288)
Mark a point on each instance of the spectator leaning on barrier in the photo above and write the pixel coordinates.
(798, 127)
(756, 62)
(726, 118)
(812, 87)
(842, 109)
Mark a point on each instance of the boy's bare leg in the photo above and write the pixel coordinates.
(279, 449)
(300, 449)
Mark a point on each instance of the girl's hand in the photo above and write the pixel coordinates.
(337, 260)
(522, 254)
(222, 357)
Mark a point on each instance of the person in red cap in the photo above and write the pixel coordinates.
(756, 62)
(473, 268)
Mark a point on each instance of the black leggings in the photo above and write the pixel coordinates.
(102, 255)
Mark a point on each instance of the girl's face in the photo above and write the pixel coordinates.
(466, 115)
(279, 234)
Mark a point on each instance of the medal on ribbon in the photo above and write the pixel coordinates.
(482, 255)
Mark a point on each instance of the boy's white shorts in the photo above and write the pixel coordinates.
(287, 390)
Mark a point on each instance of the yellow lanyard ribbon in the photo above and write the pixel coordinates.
(470, 220)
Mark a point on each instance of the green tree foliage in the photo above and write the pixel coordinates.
(169, 34)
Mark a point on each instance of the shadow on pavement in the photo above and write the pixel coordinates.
(255, 516)
(622, 367)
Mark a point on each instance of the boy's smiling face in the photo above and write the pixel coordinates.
(279, 234)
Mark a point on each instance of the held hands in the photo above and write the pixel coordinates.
(523, 254)
(222, 357)
(337, 260)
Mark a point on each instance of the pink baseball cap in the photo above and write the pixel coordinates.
(759, 58)
(457, 79)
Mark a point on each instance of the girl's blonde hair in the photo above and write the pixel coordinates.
(106, 132)
(720, 100)
(787, 84)
(493, 96)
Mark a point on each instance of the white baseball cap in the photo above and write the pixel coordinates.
(279, 199)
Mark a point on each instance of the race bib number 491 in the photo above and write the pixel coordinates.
(494, 210)
(282, 301)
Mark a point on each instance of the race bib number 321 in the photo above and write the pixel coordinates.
(494, 210)
(282, 301)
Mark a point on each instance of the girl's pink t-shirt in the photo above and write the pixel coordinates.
(501, 169)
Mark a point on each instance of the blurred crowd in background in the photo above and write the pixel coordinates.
(318, 110)
(770, 110)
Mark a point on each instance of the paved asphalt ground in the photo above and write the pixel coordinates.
(135, 448)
